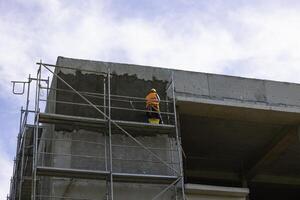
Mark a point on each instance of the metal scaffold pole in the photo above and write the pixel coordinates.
(22, 164)
(113, 122)
(110, 139)
(109, 125)
(36, 133)
(178, 141)
(23, 135)
(105, 134)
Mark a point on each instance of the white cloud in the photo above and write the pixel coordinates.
(271, 43)
(262, 39)
(5, 174)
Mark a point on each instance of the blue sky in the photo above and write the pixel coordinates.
(259, 39)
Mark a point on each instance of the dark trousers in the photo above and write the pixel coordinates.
(154, 113)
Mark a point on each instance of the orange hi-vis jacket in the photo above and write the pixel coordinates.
(152, 99)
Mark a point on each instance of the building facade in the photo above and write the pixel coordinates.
(223, 137)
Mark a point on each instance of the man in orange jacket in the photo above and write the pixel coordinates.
(152, 105)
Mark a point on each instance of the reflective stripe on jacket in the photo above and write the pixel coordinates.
(152, 99)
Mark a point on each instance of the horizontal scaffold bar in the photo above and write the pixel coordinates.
(143, 178)
(50, 118)
(102, 175)
(71, 173)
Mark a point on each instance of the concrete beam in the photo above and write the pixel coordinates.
(282, 180)
(277, 146)
(210, 174)
(203, 87)
(216, 190)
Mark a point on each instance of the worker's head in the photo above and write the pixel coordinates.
(153, 90)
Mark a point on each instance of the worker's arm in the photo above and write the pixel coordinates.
(158, 98)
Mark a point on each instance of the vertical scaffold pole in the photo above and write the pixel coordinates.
(23, 123)
(48, 86)
(18, 157)
(28, 96)
(22, 164)
(36, 132)
(21, 138)
(13, 180)
(177, 139)
(104, 110)
(109, 135)
(20, 128)
(105, 137)
(104, 96)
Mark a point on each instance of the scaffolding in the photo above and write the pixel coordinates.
(96, 145)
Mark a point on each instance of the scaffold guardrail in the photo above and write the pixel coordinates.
(104, 161)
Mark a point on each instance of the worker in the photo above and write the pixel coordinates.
(152, 106)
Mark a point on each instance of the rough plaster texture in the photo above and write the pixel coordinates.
(198, 87)
(206, 97)
(95, 189)
(85, 148)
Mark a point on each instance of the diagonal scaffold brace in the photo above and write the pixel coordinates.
(112, 121)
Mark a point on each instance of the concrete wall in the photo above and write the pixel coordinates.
(71, 147)
(96, 189)
(132, 80)
(54, 188)
(208, 192)
(203, 87)
(84, 149)
(125, 84)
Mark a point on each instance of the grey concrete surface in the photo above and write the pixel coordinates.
(226, 124)
(84, 148)
(210, 192)
(197, 87)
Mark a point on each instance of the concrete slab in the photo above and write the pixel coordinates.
(198, 191)
(224, 120)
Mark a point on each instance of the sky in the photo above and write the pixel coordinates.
(256, 39)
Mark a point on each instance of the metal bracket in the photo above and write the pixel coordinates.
(14, 87)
